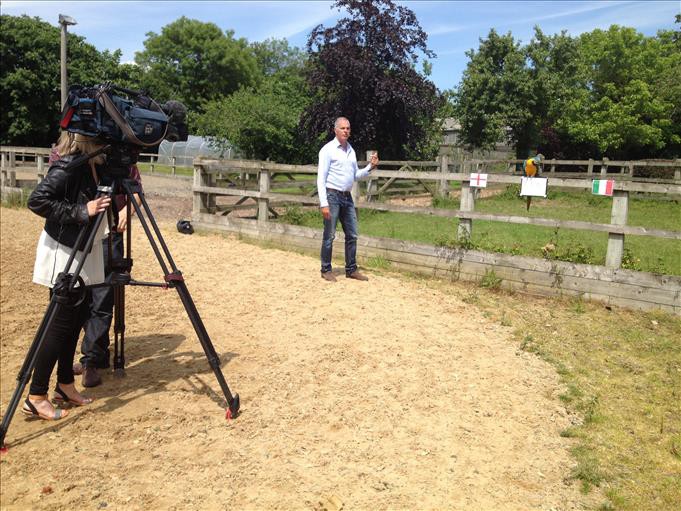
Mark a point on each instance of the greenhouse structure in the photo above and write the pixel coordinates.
(185, 152)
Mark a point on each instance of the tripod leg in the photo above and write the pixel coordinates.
(176, 280)
(27, 367)
(119, 330)
(207, 345)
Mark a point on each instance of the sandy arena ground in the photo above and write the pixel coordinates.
(384, 394)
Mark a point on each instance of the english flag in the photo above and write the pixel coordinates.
(478, 180)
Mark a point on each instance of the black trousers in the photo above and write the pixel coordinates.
(59, 347)
(95, 345)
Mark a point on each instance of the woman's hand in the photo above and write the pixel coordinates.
(98, 205)
(122, 220)
(123, 215)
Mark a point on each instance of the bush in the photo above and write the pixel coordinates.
(490, 280)
(295, 215)
(511, 192)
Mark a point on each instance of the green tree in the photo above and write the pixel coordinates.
(30, 77)
(552, 63)
(364, 68)
(277, 57)
(262, 121)
(496, 98)
(195, 62)
(622, 105)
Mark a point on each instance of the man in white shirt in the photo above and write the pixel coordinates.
(337, 172)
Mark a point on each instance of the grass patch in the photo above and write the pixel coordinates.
(165, 169)
(621, 375)
(17, 199)
(378, 262)
(587, 470)
(490, 280)
(642, 253)
(295, 215)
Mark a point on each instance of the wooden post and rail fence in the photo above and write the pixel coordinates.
(216, 188)
(236, 182)
(34, 159)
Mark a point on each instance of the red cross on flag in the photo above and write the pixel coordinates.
(478, 180)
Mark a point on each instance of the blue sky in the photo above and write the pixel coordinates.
(452, 27)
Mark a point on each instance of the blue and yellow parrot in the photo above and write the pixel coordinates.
(532, 168)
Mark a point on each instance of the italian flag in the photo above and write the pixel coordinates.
(602, 187)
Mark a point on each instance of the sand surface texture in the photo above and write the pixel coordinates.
(355, 395)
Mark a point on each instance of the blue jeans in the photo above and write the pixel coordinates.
(341, 208)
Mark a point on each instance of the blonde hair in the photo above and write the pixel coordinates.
(75, 143)
(63, 145)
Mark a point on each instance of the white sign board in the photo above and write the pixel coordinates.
(533, 186)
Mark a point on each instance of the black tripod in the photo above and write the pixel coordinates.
(69, 290)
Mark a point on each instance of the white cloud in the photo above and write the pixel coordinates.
(584, 8)
(445, 29)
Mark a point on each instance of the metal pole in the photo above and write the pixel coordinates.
(64, 21)
(63, 65)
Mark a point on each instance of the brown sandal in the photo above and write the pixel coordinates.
(60, 398)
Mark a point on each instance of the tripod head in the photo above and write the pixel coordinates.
(119, 159)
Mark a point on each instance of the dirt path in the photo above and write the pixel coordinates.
(385, 394)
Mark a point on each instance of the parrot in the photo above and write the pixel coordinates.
(532, 168)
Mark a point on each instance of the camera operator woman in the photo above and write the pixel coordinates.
(66, 199)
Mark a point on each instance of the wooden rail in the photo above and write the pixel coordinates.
(152, 159)
(206, 190)
(34, 159)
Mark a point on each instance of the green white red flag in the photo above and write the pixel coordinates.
(602, 187)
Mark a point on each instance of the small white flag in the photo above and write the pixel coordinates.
(533, 186)
(602, 187)
(478, 180)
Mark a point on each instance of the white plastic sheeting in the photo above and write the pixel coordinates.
(185, 152)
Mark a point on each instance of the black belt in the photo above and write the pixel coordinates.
(332, 190)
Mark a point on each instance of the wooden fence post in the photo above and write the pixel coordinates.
(620, 211)
(590, 168)
(371, 183)
(174, 167)
(604, 167)
(677, 172)
(10, 173)
(443, 185)
(354, 192)
(151, 164)
(203, 202)
(263, 204)
(465, 230)
(3, 160)
(41, 167)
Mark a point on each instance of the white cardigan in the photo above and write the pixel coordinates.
(51, 258)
